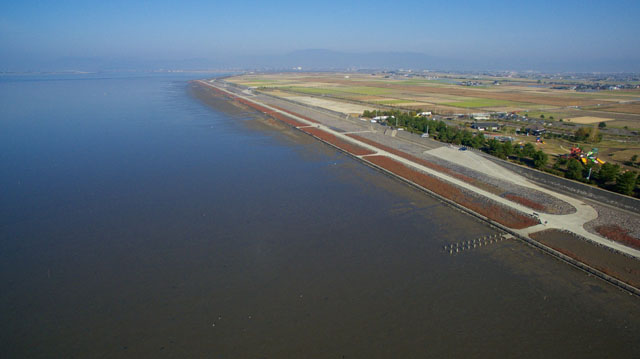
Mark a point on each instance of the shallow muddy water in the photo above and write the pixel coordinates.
(141, 219)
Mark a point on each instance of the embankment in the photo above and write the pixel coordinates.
(495, 213)
(615, 266)
(468, 199)
(483, 206)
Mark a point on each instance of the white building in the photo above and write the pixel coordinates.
(481, 116)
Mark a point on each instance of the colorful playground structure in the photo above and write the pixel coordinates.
(579, 154)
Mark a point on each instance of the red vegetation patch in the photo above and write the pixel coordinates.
(285, 119)
(485, 207)
(295, 114)
(608, 262)
(525, 202)
(415, 159)
(619, 234)
(262, 109)
(217, 90)
(332, 139)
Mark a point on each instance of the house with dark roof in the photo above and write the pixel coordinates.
(535, 130)
(485, 126)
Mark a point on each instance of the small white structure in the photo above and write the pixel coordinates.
(425, 114)
(381, 118)
(481, 116)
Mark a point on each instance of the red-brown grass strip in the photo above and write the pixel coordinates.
(285, 119)
(220, 92)
(618, 234)
(488, 208)
(268, 112)
(295, 114)
(525, 202)
(332, 139)
(263, 109)
(539, 236)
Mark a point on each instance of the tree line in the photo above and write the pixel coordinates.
(608, 176)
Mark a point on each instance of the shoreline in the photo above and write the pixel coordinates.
(399, 167)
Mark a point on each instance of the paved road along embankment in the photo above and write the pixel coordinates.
(559, 183)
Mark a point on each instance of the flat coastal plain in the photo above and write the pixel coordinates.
(569, 226)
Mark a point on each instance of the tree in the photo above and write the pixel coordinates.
(540, 159)
(477, 141)
(574, 170)
(467, 138)
(602, 124)
(495, 148)
(608, 173)
(507, 148)
(634, 158)
(457, 138)
(560, 161)
(582, 133)
(528, 150)
(517, 151)
(626, 182)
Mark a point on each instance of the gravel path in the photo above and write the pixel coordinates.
(611, 216)
(552, 205)
(496, 185)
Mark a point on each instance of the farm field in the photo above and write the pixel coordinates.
(445, 94)
(633, 108)
(517, 94)
(585, 120)
(482, 103)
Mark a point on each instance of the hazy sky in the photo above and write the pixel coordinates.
(35, 33)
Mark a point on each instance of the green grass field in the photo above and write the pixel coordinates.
(260, 84)
(314, 90)
(354, 90)
(418, 82)
(547, 115)
(482, 102)
(366, 90)
(392, 102)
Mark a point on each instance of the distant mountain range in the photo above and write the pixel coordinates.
(321, 59)
(316, 59)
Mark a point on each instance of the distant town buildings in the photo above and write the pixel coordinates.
(470, 83)
(594, 87)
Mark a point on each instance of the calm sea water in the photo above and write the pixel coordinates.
(137, 220)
